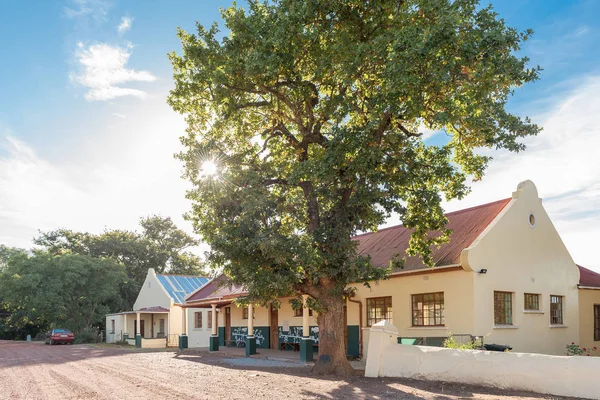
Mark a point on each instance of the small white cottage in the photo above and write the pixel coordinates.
(157, 319)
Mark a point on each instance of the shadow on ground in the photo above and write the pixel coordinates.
(358, 386)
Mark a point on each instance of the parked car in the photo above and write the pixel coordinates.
(56, 336)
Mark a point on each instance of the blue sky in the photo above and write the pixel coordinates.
(87, 140)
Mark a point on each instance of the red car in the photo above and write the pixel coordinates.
(59, 336)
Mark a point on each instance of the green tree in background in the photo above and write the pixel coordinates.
(161, 245)
(68, 290)
(311, 111)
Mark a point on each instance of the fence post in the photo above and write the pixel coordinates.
(380, 336)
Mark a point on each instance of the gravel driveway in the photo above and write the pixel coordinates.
(35, 371)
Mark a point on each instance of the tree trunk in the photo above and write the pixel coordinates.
(332, 348)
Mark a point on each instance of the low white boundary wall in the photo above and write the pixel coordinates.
(565, 376)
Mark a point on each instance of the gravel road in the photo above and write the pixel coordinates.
(35, 371)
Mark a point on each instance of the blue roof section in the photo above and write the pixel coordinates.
(179, 286)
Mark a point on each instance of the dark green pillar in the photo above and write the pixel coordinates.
(250, 345)
(138, 341)
(214, 343)
(306, 349)
(183, 342)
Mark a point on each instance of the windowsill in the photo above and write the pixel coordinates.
(533, 312)
(198, 329)
(559, 326)
(506, 327)
(427, 328)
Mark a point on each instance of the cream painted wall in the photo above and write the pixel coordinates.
(152, 293)
(261, 316)
(117, 335)
(522, 259)
(458, 302)
(566, 376)
(175, 320)
(587, 299)
(286, 313)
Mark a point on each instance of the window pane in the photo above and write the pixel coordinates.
(556, 310)
(378, 309)
(502, 308)
(597, 322)
(428, 309)
(532, 301)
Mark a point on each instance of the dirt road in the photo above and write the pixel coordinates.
(35, 371)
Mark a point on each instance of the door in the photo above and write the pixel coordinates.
(274, 328)
(227, 323)
(142, 328)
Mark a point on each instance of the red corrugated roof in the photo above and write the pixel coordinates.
(154, 309)
(218, 288)
(466, 226)
(588, 277)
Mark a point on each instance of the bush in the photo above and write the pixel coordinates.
(452, 343)
(574, 350)
(90, 336)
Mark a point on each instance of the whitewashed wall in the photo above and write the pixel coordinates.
(557, 375)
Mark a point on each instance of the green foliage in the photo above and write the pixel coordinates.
(452, 343)
(160, 245)
(87, 336)
(312, 112)
(68, 290)
(574, 350)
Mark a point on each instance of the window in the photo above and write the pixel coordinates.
(556, 310)
(245, 313)
(532, 302)
(112, 326)
(209, 322)
(596, 322)
(428, 309)
(503, 308)
(161, 326)
(378, 309)
(298, 312)
(198, 320)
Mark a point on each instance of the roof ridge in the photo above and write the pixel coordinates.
(445, 214)
(184, 276)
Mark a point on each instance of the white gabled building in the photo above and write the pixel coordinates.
(157, 314)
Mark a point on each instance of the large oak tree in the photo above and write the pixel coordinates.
(312, 111)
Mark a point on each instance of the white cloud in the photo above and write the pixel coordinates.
(103, 69)
(109, 180)
(125, 24)
(96, 9)
(564, 164)
(119, 115)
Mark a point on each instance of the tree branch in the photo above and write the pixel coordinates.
(252, 104)
(312, 206)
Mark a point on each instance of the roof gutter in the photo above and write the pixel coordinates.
(588, 287)
(429, 270)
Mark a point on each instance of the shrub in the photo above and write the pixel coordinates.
(574, 350)
(88, 336)
(452, 343)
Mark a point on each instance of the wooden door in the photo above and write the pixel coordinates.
(227, 323)
(274, 328)
(142, 327)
